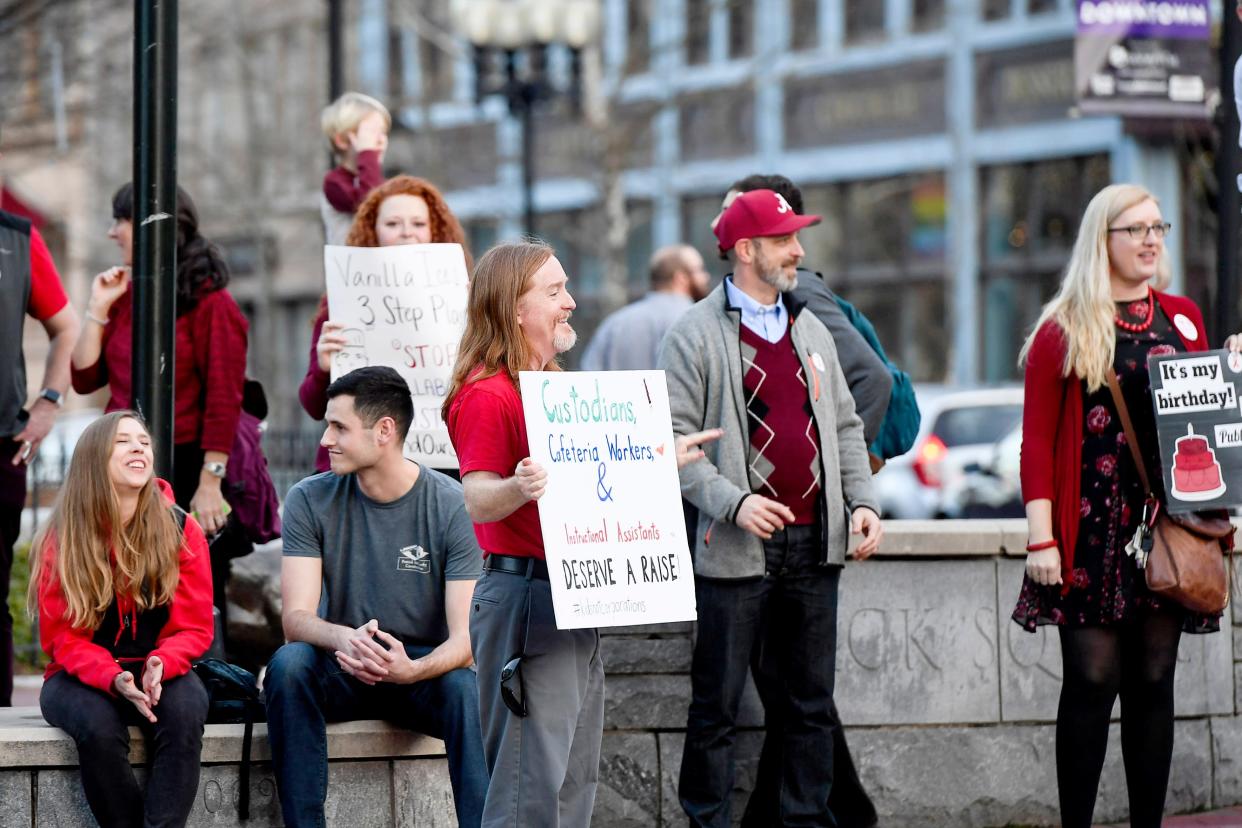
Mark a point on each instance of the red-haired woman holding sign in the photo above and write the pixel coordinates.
(402, 210)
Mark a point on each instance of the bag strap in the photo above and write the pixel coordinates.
(1124, 413)
(243, 780)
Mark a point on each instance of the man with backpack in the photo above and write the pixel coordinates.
(883, 394)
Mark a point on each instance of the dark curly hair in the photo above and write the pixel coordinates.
(201, 268)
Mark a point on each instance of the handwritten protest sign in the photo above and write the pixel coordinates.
(1199, 423)
(403, 306)
(613, 529)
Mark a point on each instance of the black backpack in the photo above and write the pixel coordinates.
(233, 698)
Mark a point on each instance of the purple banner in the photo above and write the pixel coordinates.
(1166, 19)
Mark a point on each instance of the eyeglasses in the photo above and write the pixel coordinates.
(1138, 232)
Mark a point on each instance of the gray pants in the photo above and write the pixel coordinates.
(545, 767)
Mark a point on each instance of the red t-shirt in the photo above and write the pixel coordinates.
(47, 295)
(488, 429)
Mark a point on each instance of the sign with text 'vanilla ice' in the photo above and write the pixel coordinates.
(1199, 421)
(613, 529)
(403, 306)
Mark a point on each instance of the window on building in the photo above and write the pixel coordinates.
(893, 266)
(419, 68)
(638, 248)
(864, 20)
(698, 31)
(1028, 220)
(697, 213)
(435, 62)
(803, 24)
(637, 36)
(928, 15)
(996, 9)
(579, 238)
(741, 28)
(481, 234)
(1042, 6)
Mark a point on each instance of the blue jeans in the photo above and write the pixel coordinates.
(783, 627)
(305, 688)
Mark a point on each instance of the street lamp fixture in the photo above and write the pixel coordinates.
(510, 41)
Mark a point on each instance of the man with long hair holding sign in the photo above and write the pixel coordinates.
(541, 690)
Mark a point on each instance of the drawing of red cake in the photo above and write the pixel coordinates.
(1196, 474)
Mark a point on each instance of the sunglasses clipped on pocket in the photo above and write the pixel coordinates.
(512, 687)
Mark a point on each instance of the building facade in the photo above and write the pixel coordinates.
(938, 138)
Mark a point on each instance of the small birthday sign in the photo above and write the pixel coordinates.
(1199, 423)
(613, 529)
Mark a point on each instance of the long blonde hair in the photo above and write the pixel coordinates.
(1083, 306)
(90, 551)
(493, 337)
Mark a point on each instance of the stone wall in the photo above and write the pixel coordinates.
(378, 775)
(949, 705)
(950, 708)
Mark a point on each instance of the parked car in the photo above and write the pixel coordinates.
(959, 429)
(991, 488)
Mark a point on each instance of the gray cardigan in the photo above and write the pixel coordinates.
(702, 358)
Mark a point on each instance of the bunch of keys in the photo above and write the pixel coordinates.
(1140, 545)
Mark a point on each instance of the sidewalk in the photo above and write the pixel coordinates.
(1216, 819)
(26, 690)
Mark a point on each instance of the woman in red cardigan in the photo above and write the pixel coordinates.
(209, 374)
(402, 210)
(123, 594)
(1084, 500)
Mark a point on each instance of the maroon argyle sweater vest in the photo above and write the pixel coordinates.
(783, 450)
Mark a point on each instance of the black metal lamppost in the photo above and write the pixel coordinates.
(510, 40)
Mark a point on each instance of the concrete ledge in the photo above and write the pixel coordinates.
(959, 538)
(27, 741)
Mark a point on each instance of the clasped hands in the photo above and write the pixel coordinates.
(370, 661)
(148, 696)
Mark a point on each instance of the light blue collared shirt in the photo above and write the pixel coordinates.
(768, 321)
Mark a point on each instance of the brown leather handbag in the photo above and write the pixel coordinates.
(1186, 559)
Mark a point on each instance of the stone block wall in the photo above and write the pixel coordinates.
(949, 708)
(949, 705)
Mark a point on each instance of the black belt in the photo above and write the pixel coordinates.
(516, 565)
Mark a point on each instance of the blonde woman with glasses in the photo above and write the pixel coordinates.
(1084, 500)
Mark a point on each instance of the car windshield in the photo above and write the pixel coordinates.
(972, 424)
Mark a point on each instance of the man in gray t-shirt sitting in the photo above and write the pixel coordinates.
(380, 561)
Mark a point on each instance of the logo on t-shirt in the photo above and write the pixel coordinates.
(413, 559)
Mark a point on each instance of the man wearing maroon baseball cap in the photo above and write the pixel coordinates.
(773, 502)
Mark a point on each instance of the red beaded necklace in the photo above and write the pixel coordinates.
(1139, 327)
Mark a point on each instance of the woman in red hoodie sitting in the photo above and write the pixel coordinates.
(123, 593)
(1084, 500)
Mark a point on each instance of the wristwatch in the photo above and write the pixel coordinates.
(215, 469)
(53, 396)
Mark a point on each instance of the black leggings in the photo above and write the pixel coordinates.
(1137, 661)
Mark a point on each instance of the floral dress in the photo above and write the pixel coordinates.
(1105, 586)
